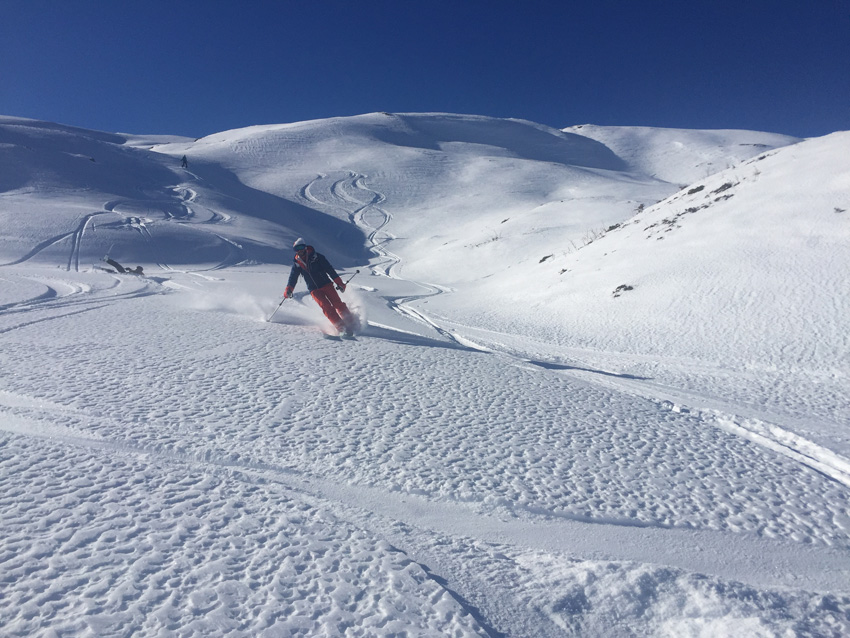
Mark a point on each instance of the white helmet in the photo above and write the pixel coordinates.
(298, 243)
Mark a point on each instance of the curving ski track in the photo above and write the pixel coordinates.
(378, 510)
(363, 205)
(370, 217)
(194, 482)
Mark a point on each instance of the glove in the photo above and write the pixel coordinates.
(287, 292)
(339, 285)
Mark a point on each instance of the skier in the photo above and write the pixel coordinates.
(184, 162)
(320, 278)
(123, 269)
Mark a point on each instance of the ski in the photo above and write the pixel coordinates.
(339, 337)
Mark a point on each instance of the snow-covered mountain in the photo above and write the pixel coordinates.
(601, 387)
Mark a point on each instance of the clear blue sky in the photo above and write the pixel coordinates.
(191, 67)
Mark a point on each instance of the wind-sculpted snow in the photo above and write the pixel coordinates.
(441, 421)
(158, 480)
(567, 414)
(120, 544)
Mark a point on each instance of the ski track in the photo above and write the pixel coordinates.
(173, 469)
(770, 436)
(186, 198)
(760, 431)
(65, 299)
(633, 540)
(183, 500)
(351, 521)
(260, 507)
(373, 219)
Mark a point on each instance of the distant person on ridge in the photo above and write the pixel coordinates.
(320, 278)
(184, 162)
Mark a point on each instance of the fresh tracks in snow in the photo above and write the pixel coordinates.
(364, 207)
(375, 509)
(373, 219)
(733, 419)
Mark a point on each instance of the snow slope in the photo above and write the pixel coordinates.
(681, 156)
(508, 449)
(731, 291)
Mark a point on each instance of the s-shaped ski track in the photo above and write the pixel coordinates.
(373, 219)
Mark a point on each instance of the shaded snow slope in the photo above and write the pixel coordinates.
(681, 156)
(462, 196)
(73, 195)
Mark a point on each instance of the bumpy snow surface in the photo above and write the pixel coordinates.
(601, 387)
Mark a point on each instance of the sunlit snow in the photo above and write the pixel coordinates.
(601, 388)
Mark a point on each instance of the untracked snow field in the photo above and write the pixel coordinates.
(172, 463)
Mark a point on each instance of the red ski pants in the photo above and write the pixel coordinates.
(332, 305)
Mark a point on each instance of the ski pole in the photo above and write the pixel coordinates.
(276, 309)
(345, 283)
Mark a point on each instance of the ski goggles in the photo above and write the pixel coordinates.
(300, 247)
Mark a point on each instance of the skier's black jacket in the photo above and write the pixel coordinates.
(315, 268)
